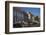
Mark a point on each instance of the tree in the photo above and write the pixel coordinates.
(36, 18)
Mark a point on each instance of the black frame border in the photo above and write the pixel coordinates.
(7, 16)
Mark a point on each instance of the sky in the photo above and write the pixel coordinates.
(34, 11)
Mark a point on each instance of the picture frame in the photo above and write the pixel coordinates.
(10, 6)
